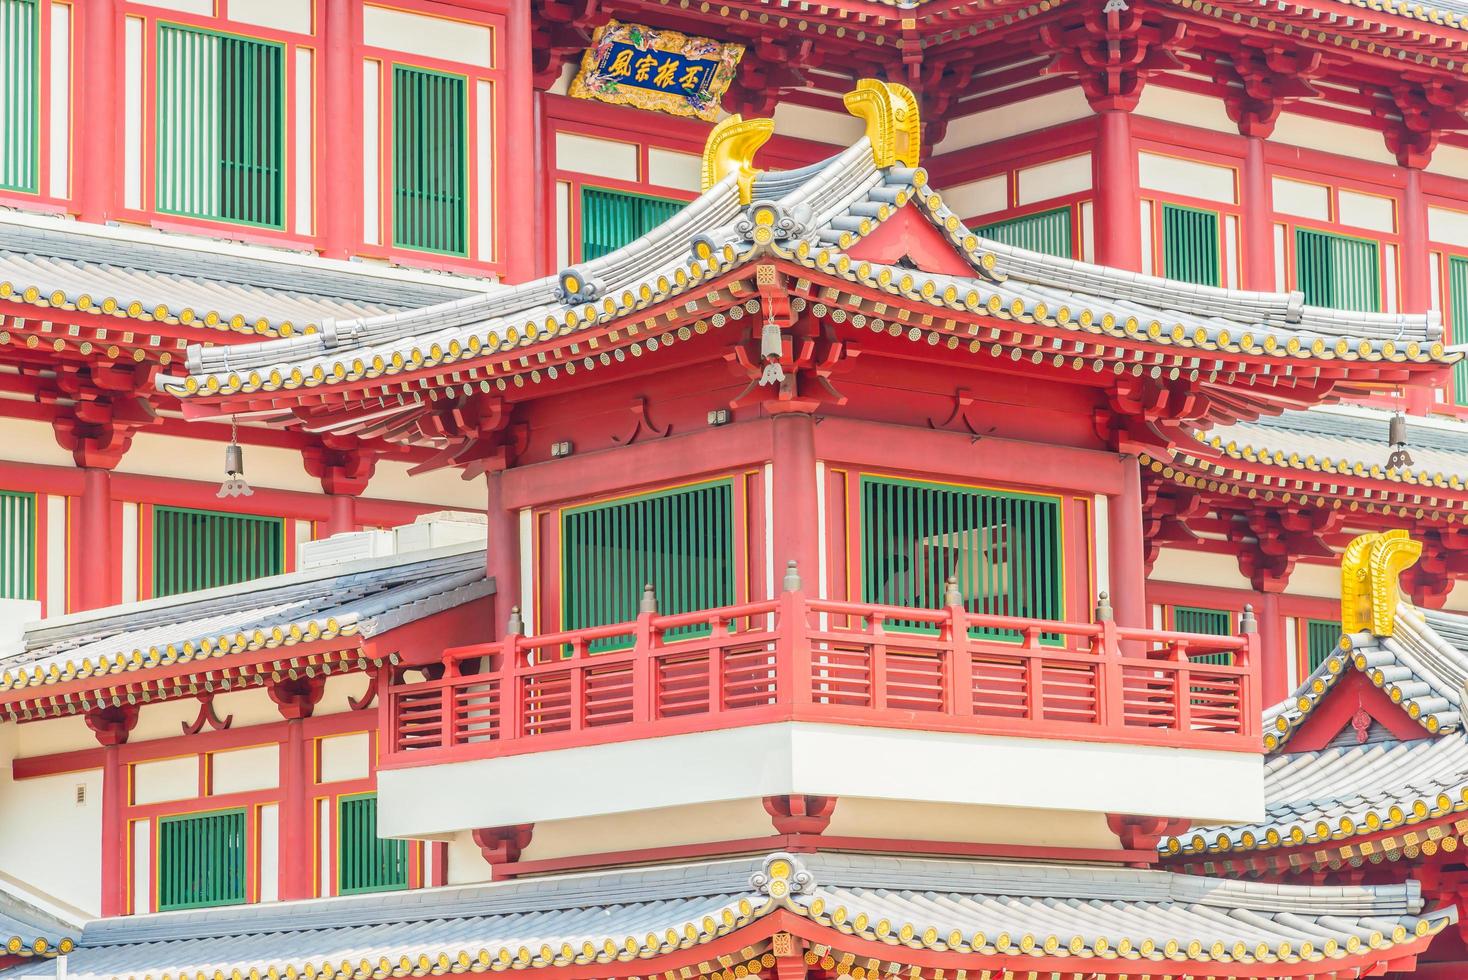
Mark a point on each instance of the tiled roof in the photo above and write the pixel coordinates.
(811, 219)
(1348, 789)
(975, 908)
(153, 277)
(357, 599)
(35, 925)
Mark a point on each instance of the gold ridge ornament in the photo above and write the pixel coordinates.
(730, 148)
(894, 125)
(1369, 570)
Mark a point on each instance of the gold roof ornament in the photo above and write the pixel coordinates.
(894, 125)
(1369, 570)
(730, 148)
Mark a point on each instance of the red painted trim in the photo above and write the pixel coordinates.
(808, 843)
(1351, 693)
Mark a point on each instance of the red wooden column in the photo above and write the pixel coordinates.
(1416, 273)
(93, 581)
(1258, 223)
(502, 551)
(517, 213)
(1128, 572)
(98, 95)
(1273, 650)
(1114, 187)
(296, 699)
(112, 727)
(339, 171)
(795, 535)
(344, 466)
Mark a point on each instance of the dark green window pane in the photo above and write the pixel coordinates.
(202, 549)
(1337, 271)
(611, 219)
(1213, 622)
(366, 862)
(1322, 636)
(17, 545)
(1004, 549)
(201, 860)
(1047, 231)
(20, 71)
(681, 541)
(221, 126)
(429, 183)
(1190, 245)
(1458, 311)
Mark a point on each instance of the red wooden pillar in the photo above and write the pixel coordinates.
(517, 159)
(1416, 274)
(1258, 230)
(341, 515)
(98, 93)
(296, 699)
(795, 534)
(1128, 573)
(502, 551)
(339, 171)
(1273, 650)
(1114, 182)
(91, 559)
(112, 727)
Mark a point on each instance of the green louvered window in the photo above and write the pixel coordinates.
(611, 219)
(429, 180)
(1337, 271)
(201, 549)
(681, 541)
(1047, 231)
(221, 126)
(1321, 638)
(1212, 622)
(20, 71)
(17, 545)
(1190, 244)
(1003, 548)
(1458, 302)
(366, 862)
(201, 860)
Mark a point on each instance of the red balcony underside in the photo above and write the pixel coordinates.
(814, 660)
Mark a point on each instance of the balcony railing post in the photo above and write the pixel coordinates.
(794, 657)
(960, 670)
(642, 653)
(512, 698)
(1111, 673)
(1184, 686)
(1251, 683)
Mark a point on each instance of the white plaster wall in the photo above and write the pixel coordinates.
(830, 760)
(1198, 568)
(344, 757)
(166, 779)
(1449, 160)
(1187, 108)
(1359, 142)
(27, 441)
(56, 735)
(670, 827)
(1312, 579)
(859, 816)
(1011, 120)
(837, 128)
(598, 157)
(435, 37)
(466, 863)
(46, 839)
(243, 770)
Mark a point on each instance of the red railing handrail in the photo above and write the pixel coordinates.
(802, 658)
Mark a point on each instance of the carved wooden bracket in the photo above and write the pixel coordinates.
(1112, 51)
(503, 845)
(1143, 833)
(207, 716)
(961, 402)
(297, 697)
(800, 814)
(112, 724)
(641, 422)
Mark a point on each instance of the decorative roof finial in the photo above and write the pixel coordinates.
(1369, 570)
(730, 148)
(894, 124)
(1397, 439)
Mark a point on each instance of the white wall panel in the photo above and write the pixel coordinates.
(1011, 120)
(244, 770)
(47, 838)
(283, 15)
(129, 570)
(434, 37)
(303, 173)
(484, 170)
(59, 123)
(1188, 108)
(142, 860)
(371, 137)
(1447, 226)
(56, 535)
(1367, 211)
(669, 168)
(1301, 199)
(269, 852)
(563, 224)
(204, 7)
(1191, 178)
(837, 128)
(345, 757)
(1054, 179)
(166, 779)
(1362, 142)
(978, 197)
(132, 113)
(324, 846)
(600, 158)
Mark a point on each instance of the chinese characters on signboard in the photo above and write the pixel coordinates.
(628, 64)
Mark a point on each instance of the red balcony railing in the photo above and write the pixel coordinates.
(797, 658)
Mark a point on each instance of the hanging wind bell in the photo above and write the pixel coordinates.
(770, 349)
(1397, 438)
(234, 484)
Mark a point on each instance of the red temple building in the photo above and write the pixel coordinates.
(612, 489)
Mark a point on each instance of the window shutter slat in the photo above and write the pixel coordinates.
(203, 549)
(201, 860)
(1190, 245)
(1048, 232)
(20, 95)
(365, 862)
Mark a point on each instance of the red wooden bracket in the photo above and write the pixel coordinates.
(800, 814)
(368, 696)
(640, 422)
(961, 402)
(207, 716)
(503, 845)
